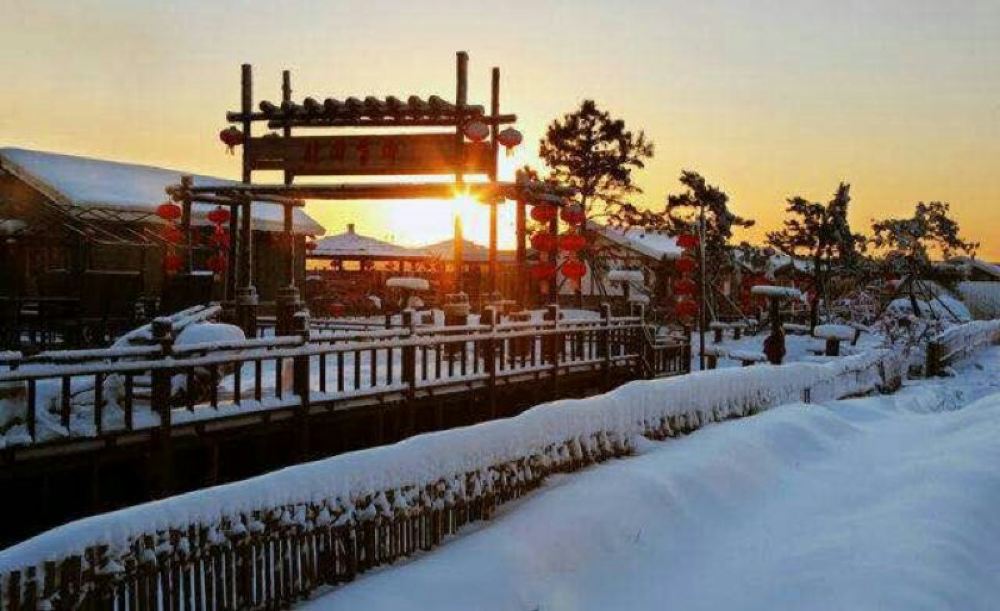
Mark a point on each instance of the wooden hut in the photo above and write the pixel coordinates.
(81, 240)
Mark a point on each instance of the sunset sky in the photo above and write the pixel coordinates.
(901, 98)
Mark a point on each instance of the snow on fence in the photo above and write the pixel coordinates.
(66, 396)
(957, 342)
(268, 541)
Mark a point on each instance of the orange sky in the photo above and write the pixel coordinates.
(767, 98)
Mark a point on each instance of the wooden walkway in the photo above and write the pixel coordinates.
(107, 428)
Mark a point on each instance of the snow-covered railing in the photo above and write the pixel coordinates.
(268, 541)
(67, 397)
(957, 342)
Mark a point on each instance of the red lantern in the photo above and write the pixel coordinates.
(172, 234)
(687, 241)
(542, 271)
(310, 245)
(686, 308)
(685, 265)
(231, 137)
(684, 287)
(572, 242)
(216, 263)
(476, 131)
(574, 269)
(168, 211)
(218, 216)
(172, 263)
(544, 242)
(574, 214)
(336, 309)
(509, 138)
(219, 239)
(543, 213)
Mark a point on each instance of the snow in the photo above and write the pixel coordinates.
(126, 187)
(208, 333)
(982, 298)
(412, 284)
(841, 332)
(776, 291)
(621, 414)
(655, 244)
(747, 355)
(352, 243)
(885, 502)
(632, 276)
(942, 307)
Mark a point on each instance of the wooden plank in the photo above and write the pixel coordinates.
(368, 155)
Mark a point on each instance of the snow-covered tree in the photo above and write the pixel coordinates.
(908, 243)
(821, 234)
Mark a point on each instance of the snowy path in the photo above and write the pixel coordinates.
(877, 503)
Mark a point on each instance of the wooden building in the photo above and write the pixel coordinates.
(345, 270)
(81, 238)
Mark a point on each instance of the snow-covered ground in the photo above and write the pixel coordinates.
(887, 502)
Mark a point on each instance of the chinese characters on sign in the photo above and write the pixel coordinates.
(368, 155)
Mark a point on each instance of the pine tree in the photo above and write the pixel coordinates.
(908, 243)
(822, 234)
(596, 154)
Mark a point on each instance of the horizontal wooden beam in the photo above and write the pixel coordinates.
(276, 122)
(444, 190)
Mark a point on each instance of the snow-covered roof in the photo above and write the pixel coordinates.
(351, 243)
(776, 291)
(470, 251)
(126, 187)
(968, 262)
(655, 244)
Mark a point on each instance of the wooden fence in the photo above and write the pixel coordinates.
(81, 395)
(957, 342)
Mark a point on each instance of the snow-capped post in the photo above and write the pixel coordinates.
(300, 380)
(490, 316)
(159, 403)
(833, 334)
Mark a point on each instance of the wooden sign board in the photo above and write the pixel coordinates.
(367, 155)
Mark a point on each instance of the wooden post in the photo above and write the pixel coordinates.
(933, 364)
(520, 229)
(159, 402)
(490, 319)
(554, 259)
(246, 298)
(300, 383)
(186, 182)
(494, 150)
(286, 100)
(409, 374)
(552, 313)
(832, 346)
(604, 347)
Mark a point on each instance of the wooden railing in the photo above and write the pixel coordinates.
(959, 341)
(155, 384)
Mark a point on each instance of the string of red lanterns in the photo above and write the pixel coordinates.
(172, 235)
(685, 287)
